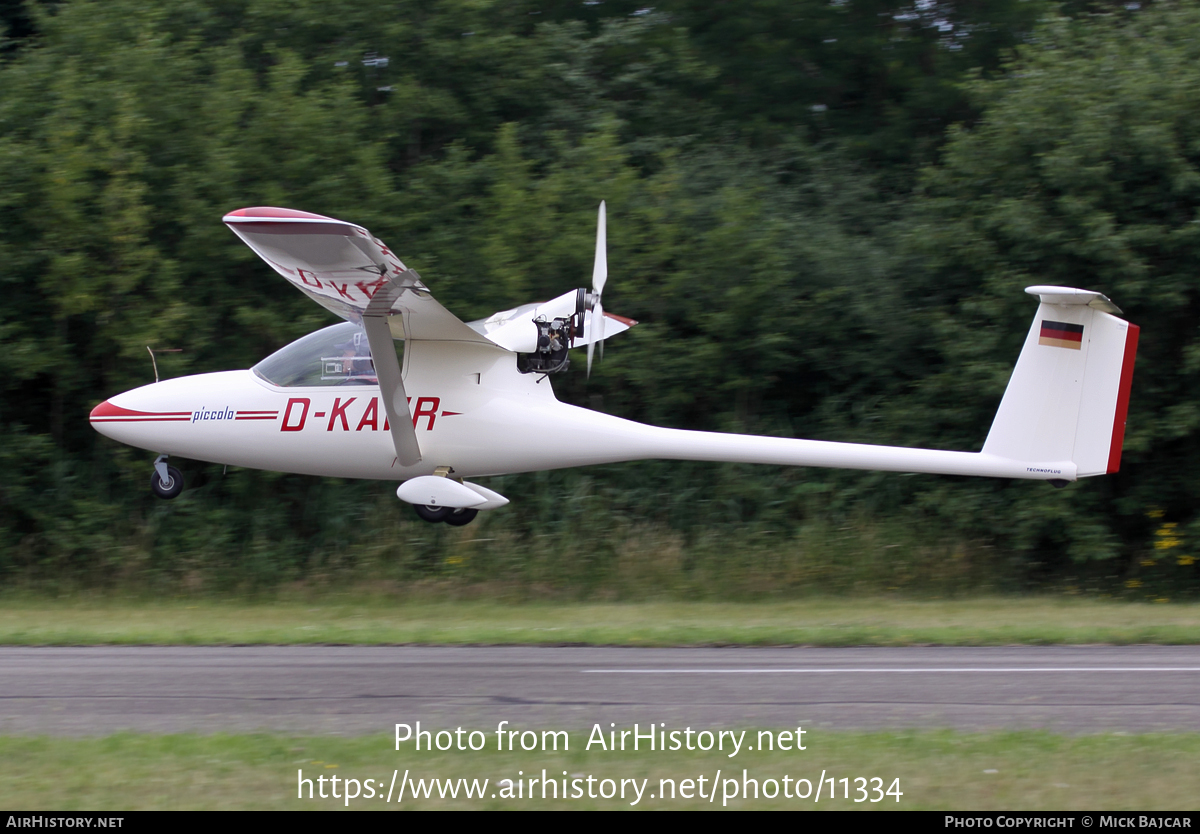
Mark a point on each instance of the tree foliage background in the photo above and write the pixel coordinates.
(823, 214)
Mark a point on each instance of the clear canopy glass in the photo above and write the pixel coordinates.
(336, 355)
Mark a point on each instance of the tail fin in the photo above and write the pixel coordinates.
(1069, 393)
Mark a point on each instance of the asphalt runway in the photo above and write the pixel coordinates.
(355, 690)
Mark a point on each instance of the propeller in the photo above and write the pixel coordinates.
(599, 276)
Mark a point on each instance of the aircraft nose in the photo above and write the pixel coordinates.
(96, 418)
(109, 419)
(106, 412)
(104, 415)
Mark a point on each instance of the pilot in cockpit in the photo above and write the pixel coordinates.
(356, 360)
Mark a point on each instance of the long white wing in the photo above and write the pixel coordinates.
(342, 267)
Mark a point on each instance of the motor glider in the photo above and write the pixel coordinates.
(468, 401)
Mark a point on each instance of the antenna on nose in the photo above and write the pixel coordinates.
(154, 361)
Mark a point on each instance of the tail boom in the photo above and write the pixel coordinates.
(551, 441)
(737, 448)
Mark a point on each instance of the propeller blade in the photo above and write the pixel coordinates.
(600, 326)
(596, 329)
(600, 268)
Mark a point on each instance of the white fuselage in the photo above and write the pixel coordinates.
(315, 406)
(472, 412)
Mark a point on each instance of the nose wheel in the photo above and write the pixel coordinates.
(166, 481)
(432, 514)
(453, 516)
(458, 518)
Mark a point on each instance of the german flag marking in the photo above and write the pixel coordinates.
(1060, 334)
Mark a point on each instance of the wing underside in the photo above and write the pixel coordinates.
(343, 268)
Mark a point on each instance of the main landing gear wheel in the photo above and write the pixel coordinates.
(169, 488)
(458, 518)
(432, 514)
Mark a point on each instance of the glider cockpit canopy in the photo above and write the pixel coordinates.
(335, 355)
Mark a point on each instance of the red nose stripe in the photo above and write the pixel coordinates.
(106, 412)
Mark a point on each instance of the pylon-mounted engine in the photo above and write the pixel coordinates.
(555, 337)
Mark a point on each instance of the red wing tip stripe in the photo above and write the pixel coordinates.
(450, 413)
(273, 213)
(248, 413)
(263, 417)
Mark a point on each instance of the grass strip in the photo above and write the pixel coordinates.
(361, 619)
(940, 770)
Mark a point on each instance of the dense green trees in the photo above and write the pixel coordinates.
(813, 250)
(1084, 170)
